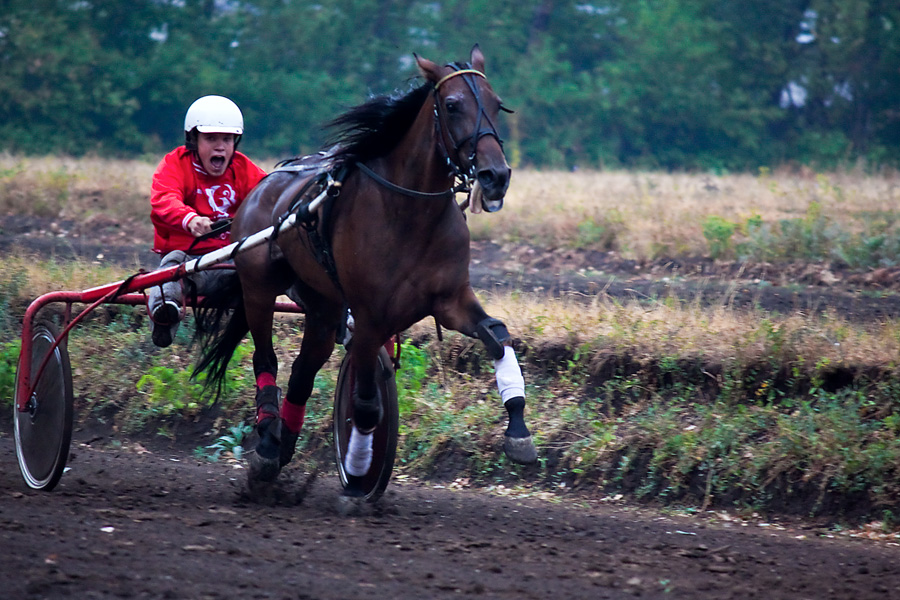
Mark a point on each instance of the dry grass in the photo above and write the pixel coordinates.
(657, 213)
(714, 335)
(28, 277)
(643, 215)
(74, 188)
(664, 328)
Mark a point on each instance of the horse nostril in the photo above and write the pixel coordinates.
(486, 177)
(496, 179)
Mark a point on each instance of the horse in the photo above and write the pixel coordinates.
(388, 245)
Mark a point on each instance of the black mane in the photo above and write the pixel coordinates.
(376, 127)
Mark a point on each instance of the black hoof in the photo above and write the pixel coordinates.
(265, 462)
(263, 469)
(520, 450)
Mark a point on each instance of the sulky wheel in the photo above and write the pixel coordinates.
(384, 445)
(44, 430)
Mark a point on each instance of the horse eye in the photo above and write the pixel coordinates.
(452, 105)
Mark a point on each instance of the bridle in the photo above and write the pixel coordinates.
(465, 177)
(468, 74)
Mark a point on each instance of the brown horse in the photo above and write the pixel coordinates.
(389, 244)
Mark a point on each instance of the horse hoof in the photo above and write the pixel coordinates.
(265, 462)
(520, 450)
(354, 487)
(263, 469)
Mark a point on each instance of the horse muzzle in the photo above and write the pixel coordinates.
(491, 185)
(478, 203)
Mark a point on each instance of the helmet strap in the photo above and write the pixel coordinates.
(190, 140)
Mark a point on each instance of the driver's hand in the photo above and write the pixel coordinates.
(200, 226)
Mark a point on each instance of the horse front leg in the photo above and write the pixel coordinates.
(465, 314)
(367, 407)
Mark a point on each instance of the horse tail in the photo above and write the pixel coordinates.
(219, 335)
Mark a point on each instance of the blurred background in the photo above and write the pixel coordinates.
(717, 85)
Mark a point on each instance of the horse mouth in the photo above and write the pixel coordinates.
(491, 206)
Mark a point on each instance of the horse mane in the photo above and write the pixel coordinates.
(375, 127)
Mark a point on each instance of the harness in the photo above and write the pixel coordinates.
(465, 179)
(326, 184)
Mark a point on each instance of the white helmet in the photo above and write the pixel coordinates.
(214, 114)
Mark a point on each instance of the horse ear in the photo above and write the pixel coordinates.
(477, 59)
(428, 69)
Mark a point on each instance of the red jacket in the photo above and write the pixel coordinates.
(182, 190)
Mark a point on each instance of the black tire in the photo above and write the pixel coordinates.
(384, 446)
(44, 431)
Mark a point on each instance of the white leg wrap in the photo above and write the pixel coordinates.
(359, 453)
(509, 376)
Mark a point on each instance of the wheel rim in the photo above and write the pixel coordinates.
(384, 443)
(43, 432)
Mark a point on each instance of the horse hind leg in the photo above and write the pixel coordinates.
(264, 463)
(315, 350)
(259, 307)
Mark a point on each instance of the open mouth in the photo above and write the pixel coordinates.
(217, 162)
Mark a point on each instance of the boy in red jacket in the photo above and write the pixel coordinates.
(194, 186)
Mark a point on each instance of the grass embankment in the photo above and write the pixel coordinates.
(693, 406)
(661, 400)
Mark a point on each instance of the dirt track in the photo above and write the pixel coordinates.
(128, 522)
(132, 523)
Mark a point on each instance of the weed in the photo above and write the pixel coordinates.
(600, 231)
(231, 442)
(169, 391)
(9, 357)
(718, 232)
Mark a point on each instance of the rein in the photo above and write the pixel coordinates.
(462, 187)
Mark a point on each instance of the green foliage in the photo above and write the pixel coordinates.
(410, 377)
(814, 237)
(718, 232)
(231, 442)
(684, 84)
(169, 391)
(9, 357)
(11, 284)
(600, 232)
(748, 451)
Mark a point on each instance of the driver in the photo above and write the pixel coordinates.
(195, 186)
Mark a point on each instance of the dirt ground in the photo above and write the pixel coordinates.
(145, 520)
(134, 522)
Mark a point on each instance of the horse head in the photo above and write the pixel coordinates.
(466, 109)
